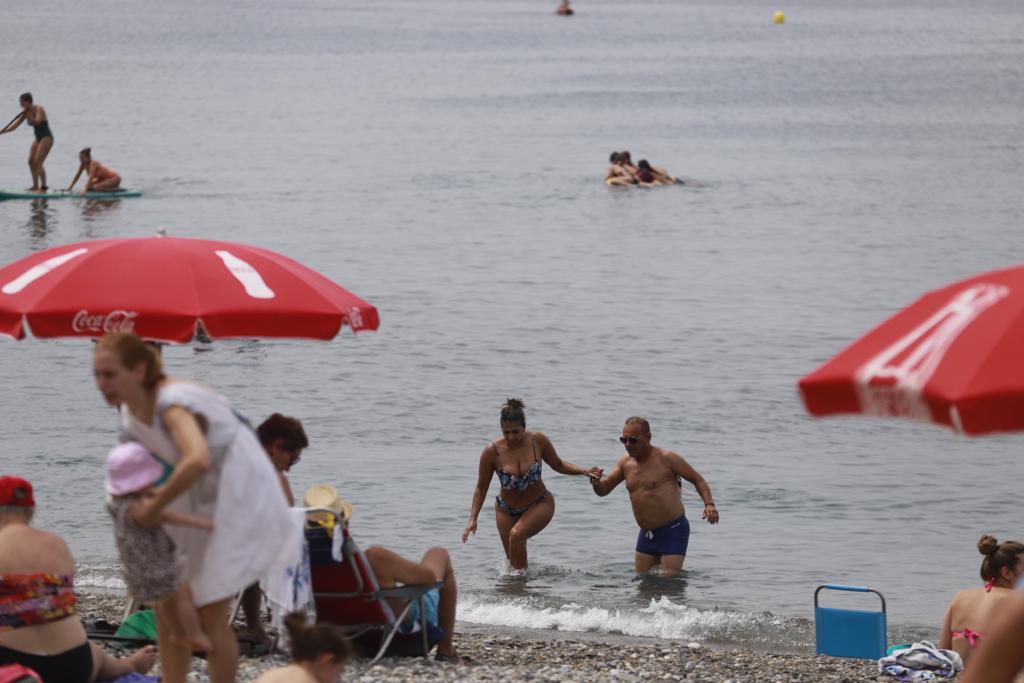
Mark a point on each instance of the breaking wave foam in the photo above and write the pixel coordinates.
(662, 618)
(104, 576)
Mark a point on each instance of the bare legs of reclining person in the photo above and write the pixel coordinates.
(393, 569)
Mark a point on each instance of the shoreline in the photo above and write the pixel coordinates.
(513, 654)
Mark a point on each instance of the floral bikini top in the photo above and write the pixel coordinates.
(31, 599)
(972, 636)
(513, 482)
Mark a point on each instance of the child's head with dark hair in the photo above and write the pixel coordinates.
(322, 649)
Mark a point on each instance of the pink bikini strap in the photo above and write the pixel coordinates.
(989, 585)
(971, 636)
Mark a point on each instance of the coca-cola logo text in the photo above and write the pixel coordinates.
(101, 323)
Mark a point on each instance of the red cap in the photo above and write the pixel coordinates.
(17, 492)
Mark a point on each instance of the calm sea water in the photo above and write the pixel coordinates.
(443, 159)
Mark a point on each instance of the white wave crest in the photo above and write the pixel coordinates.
(661, 619)
(107, 577)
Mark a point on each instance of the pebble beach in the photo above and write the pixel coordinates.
(522, 655)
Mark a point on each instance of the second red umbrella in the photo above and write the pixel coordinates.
(954, 357)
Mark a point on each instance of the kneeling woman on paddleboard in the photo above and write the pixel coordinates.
(524, 506)
(99, 178)
(36, 117)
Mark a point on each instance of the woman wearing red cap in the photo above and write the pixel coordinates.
(38, 625)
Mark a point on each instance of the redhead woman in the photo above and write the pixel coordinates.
(524, 506)
(973, 611)
(40, 148)
(38, 625)
(215, 468)
(98, 178)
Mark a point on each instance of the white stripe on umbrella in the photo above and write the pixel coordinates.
(37, 271)
(891, 382)
(246, 274)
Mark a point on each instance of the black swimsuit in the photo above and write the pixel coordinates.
(42, 130)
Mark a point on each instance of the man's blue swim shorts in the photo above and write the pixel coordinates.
(671, 539)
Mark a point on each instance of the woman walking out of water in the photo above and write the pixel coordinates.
(36, 117)
(98, 178)
(216, 469)
(524, 506)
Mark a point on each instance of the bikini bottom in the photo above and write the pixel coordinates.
(516, 513)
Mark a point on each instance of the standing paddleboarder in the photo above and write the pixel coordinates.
(36, 117)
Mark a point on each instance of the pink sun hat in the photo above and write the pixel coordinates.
(130, 468)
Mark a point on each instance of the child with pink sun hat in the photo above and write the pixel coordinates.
(147, 554)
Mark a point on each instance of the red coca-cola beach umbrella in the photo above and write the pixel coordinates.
(954, 357)
(163, 288)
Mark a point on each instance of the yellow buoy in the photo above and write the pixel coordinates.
(779, 17)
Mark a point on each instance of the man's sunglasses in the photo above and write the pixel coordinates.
(632, 440)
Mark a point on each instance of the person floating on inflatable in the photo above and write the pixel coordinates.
(564, 9)
(655, 175)
(644, 174)
(619, 173)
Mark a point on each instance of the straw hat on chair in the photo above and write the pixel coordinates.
(326, 496)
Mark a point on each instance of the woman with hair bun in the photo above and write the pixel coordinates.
(972, 611)
(215, 468)
(319, 651)
(524, 506)
(98, 178)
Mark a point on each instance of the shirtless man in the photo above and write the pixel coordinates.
(652, 477)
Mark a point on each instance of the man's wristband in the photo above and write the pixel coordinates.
(712, 504)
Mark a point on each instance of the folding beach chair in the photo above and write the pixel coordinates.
(347, 594)
(849, 632)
